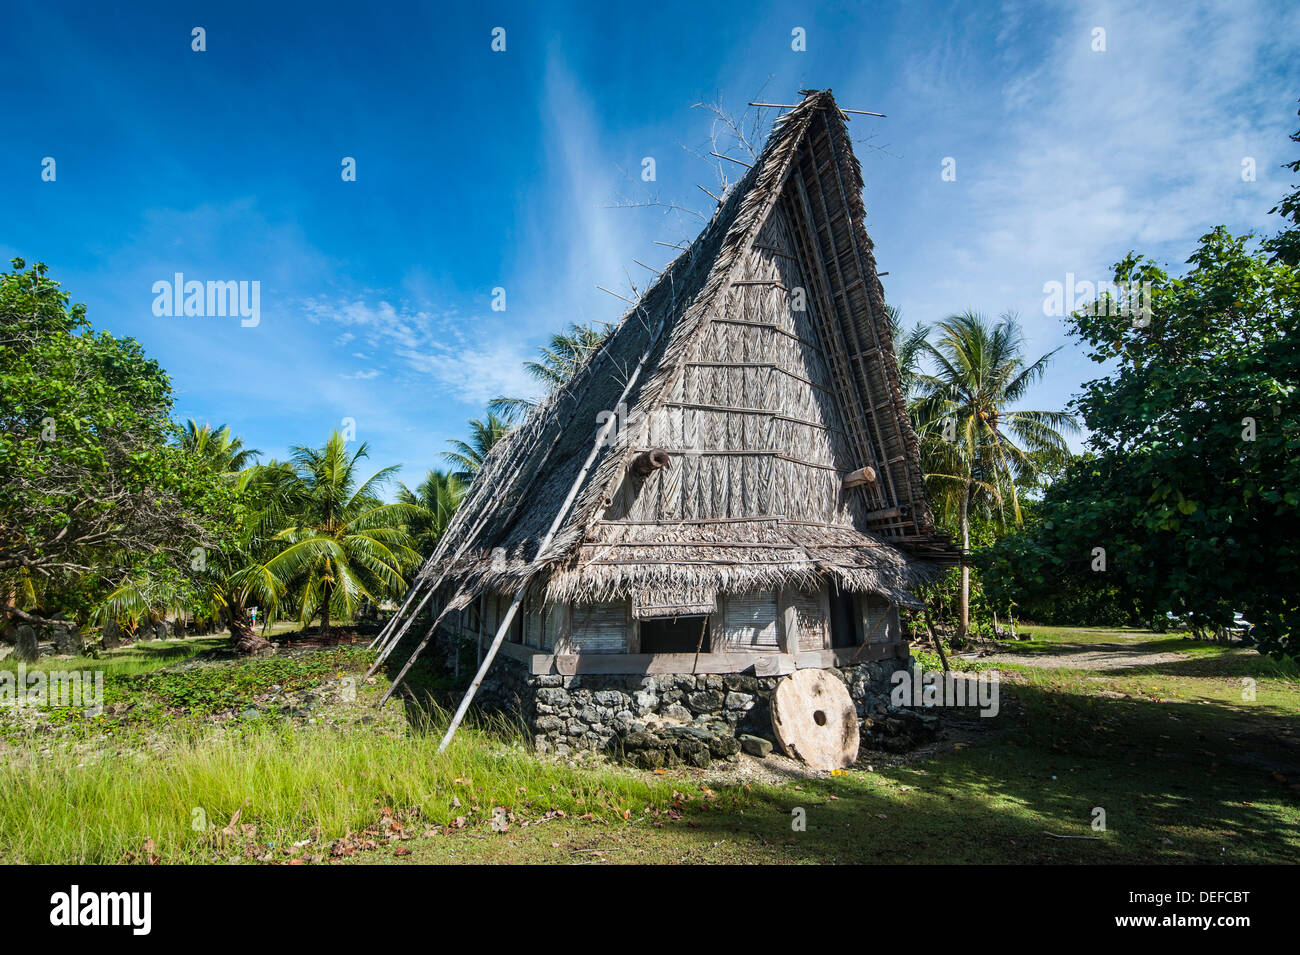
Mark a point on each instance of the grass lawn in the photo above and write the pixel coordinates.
(1161, 734)
(138, 658)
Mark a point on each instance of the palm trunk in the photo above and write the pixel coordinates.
(242, 635)
(964, 625)
(325, 613)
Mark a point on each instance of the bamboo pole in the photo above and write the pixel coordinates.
(934, 637)
(615, 294)
(859, 112)
(391, 622)
(601, 437)
(418, 650)
(396, 638)
(729, 159)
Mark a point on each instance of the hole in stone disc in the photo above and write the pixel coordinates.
(819, 717)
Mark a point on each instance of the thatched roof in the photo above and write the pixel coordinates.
(762, 407)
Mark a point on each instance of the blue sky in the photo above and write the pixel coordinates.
(478, 170)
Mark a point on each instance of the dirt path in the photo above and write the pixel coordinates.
(1121, 653)
(1088, 656)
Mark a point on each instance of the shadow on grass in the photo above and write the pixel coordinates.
(1173, 789)
(1179, 782)
(1215, 665)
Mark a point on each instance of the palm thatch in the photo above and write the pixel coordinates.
(771, 378)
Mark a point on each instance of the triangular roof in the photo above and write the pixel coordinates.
(827, 403)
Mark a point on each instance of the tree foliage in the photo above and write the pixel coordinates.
(94, 489)
(468, 456)
(556, 364)
(437, 496)
(324, 540)
(1192, 494)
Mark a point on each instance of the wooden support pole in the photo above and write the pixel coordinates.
(616, 295)
(392, 621)
(934, 637)
(468, 698)
(859, 112)
(601, 438)
(397, 635)
(397, 680)
(729, 159)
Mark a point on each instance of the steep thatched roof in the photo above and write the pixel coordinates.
(768, 374)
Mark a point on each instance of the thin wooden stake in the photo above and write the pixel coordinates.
(860, 112)
(392, 621)
(699, 645)
(616, 295)
(730, 159)
(396, 638)
(397, 680)
(601, 438)
(934, 637)
(709, 194)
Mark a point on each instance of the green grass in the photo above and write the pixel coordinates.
(1186, 768)
(289, 784)
(134, 660)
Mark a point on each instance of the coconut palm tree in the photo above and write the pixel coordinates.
(217, 446)
(975, 446)
(438, 495)
(558, 362)
(470, 455)
(908, 348)
(335, 543)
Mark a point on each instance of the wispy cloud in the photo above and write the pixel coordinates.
(470, 362)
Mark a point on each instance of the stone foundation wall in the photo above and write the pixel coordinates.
(570, 713)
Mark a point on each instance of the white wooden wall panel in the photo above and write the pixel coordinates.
(600, 628)
(878, 620)
(812, 620)
(750, 620)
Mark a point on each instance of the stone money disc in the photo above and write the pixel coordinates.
(814, 720)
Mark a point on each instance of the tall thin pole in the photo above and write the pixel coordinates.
(601, 438)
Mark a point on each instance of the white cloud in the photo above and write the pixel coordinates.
(1139, 146)
(471, 361)
(1068, 158)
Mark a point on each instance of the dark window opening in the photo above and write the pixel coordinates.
(844, 628)
(675, 635)
(517, 627)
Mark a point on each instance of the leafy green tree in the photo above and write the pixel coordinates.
(334, 542)
(437, 496)
(470, 455)
(1192, 496)
(94, 490)
(975, 445)
(1285, 246)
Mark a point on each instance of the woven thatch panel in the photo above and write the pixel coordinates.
(767, 374)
